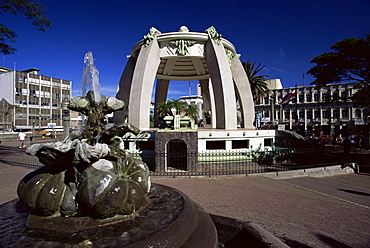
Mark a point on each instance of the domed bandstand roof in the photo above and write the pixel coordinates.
(184, 56)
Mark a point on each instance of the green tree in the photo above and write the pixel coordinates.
(258, 83)
(349, 61)
(192, 111)
(164, 109)
(32, 10)
(181, 108)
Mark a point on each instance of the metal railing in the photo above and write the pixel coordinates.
(203, 164)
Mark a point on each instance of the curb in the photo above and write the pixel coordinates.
(323, 171)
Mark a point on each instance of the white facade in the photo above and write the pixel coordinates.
(328, 110)
(37, 98)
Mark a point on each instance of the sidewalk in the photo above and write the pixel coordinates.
(303, 212)
(299, 216)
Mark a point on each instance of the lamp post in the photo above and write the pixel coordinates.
(272, 105)
(65, 118)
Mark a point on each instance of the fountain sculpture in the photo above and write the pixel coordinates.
(92, 193)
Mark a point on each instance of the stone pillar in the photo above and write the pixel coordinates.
(245, 99)
(123, 92)
(142, 85)
(208, 100)
(161, 92)
(223, 85)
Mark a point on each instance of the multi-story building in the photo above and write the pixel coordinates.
(328, 110)
(36, 98)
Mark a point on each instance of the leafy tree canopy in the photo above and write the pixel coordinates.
(349, 61)
(181, 108)
(32, 10)
(258, 83)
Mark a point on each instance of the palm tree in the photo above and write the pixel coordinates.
(164, 109)
(258, 83)
(192, 111)
(181, 108)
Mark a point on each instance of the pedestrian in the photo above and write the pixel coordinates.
(201, 124)
(258, 120)
(21, 137)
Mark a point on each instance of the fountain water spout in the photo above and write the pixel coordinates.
(90, 76)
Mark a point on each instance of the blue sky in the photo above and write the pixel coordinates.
(283, 35)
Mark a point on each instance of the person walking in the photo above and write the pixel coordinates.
(21, 137)
(258, 119)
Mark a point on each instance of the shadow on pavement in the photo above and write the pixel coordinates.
(354, 192)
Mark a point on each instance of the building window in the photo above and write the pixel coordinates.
(344, 113)
(358, 113)
(336, 114)
(335, 96)
(32, 92)
(309, 98)
(300, 97)
(287, 115)
(326, 114)
(238, 144)
(18, 91)
(267, 142)
(326, 97)
(294, 115)
(216, 145)
(317, 114)
(316, 97)
(343, 95)
(309, 115)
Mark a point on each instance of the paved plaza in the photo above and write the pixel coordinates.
(303, 212)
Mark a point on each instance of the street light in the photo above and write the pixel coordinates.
(65, 118)
(272, 105)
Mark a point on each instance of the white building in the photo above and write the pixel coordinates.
(328, 110)
(37, 98)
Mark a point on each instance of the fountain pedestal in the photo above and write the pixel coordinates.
(170, 219)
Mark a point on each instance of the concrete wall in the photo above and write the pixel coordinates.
(161, 145)
(256, 139)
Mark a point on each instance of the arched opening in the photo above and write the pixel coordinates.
(177, 155)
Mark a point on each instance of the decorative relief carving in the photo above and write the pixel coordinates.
(230, 55)
(214, 35)
(182, 46)
(150, 36)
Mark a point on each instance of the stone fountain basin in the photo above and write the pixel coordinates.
(168, 219)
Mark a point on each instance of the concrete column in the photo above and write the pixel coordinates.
(208, 100)
(244, 92)
(142, 85)
(124, 88)
(222, 82)
(161, 92)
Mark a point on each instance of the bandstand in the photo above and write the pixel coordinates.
(189, 56)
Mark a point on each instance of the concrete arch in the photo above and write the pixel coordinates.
(183, 56)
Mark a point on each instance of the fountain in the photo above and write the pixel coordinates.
(90, 76)
(92, 193)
